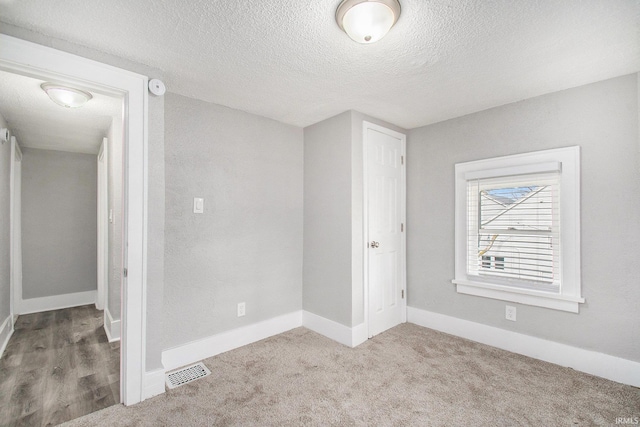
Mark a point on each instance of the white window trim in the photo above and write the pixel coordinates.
(569, 297)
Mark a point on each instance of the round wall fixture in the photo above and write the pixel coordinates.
(156, 87)
(367, 21)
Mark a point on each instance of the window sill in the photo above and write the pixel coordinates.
(522, 296)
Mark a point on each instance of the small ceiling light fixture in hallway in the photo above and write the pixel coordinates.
(66, 96)
(367, 21)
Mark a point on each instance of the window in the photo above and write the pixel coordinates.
(518, 228)
(513, 230)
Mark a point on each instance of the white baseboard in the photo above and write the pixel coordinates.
(6, 330)
(359, 334)
(153, 383)
(111, 327)
(351, 337)
(201, 349)
(330, 329)
(594, 363)
(56, 302)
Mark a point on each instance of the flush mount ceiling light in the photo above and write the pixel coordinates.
(66, 96)
(367, 21)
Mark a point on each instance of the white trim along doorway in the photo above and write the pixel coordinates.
(30, 59)
(15, 233)
(103, 228)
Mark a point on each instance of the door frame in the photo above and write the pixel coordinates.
(15, 233)
(103, 227)
(365, 217)
(34, 60)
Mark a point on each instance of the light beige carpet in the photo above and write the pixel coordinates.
(406, 376)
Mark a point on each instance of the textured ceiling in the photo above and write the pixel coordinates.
(289, 61)
(38, 122)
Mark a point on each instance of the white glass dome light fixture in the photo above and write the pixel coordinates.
(367, 21)
(66, 96)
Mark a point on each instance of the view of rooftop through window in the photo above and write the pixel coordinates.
(510, 194)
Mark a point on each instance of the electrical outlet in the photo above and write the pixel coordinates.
(510, 313)
(241, 309)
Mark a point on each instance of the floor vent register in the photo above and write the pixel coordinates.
(186, 375)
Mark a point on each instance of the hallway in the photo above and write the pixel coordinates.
(58, 366)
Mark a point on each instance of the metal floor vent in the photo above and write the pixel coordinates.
(186, 375)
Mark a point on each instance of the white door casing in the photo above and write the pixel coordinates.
(384, 203)
(103, 228)
(15, 236)
(30, 59)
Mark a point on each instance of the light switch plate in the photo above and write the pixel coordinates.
(198, 205)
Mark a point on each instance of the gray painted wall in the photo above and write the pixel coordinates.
(155, 235)
(114, 202)
(603, 119)
(327, 219)
(247, 245)
(5, 283)
(59, 243)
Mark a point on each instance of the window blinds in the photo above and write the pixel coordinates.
(514, 233)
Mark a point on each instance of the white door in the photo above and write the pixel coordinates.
(384, 152)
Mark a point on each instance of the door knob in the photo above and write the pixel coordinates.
(374, 244)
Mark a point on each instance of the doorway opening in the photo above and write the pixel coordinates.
(60, 325)
(30, 59)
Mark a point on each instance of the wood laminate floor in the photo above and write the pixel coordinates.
(57, 366)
